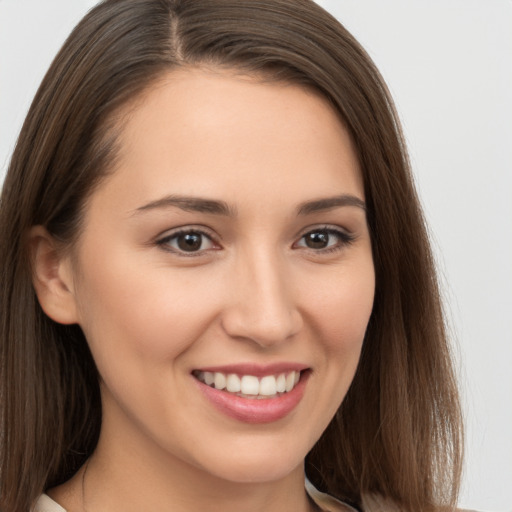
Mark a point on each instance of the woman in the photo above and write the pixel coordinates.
(216, 280)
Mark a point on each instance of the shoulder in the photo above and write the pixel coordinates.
(375, 503)
(46, 504)
(371, 503)
(325, 502)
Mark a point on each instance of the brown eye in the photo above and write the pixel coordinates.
(190, 242)
(317, 240)
(325, 240)
(187, 242)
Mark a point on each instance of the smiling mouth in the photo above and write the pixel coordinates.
(250, 386)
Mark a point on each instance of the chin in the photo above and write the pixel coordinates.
(260, 474)
(245, 469)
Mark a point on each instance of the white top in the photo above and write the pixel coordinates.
(46, 504)
(325, 502)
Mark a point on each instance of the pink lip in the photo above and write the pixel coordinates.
(252, 410)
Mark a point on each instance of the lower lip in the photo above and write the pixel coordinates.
(254, 410)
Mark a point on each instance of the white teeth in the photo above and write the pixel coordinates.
(281, 383)
(268, 385)
(233, 383)
(249, 385)
(290, 381)
(219, 380)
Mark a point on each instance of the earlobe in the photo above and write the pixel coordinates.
(52, 277)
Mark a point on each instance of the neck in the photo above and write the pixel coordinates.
(136, 485)
(136, 476)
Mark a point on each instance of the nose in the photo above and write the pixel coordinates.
(261, 305)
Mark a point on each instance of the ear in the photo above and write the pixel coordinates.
(52, 276)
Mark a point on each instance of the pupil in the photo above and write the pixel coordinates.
(318, 240)
(189, 242)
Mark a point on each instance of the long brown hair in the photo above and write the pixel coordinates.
(398, 431)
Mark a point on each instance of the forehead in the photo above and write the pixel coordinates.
(212, 132)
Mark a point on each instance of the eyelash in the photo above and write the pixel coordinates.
(344, 239)
(164, 242)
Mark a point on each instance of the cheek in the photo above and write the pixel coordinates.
(339, 314)
(151, 314)
(342, 308)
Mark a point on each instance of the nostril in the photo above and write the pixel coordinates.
(263, 328)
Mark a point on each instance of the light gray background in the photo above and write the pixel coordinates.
(448, 65)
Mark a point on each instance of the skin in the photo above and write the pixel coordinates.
(254, 292)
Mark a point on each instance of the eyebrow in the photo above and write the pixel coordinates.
(190, 204)
(329, 203)
(216, 207)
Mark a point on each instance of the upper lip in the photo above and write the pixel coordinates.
(255, 369)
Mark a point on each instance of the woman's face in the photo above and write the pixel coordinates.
(230, 245)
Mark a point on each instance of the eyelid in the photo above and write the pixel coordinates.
(187, 228)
